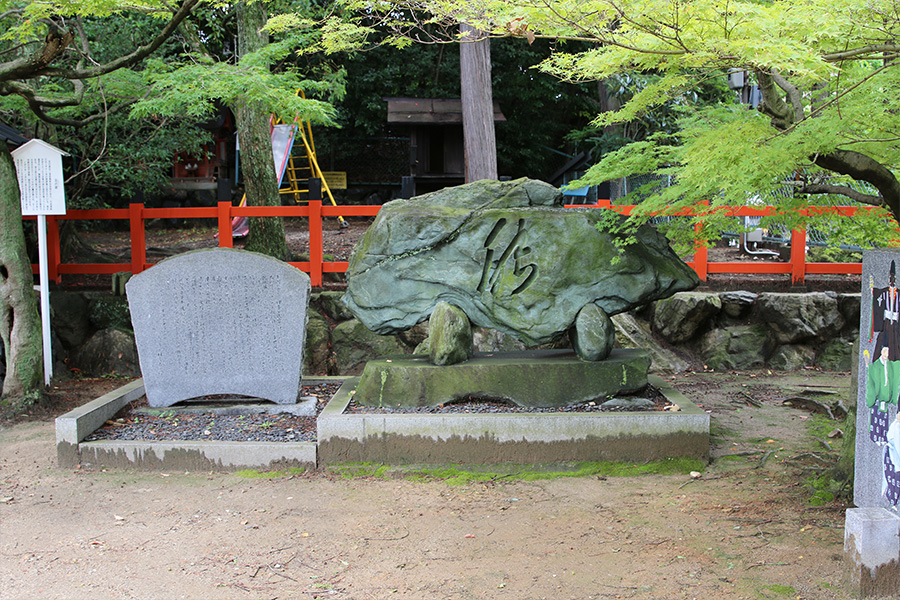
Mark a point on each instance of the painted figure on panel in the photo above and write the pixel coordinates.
(882, 389)
(891, 483)
(886, 317)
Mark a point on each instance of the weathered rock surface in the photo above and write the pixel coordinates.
(317, 354)
(678, 318)
(631, 333)
(330, 304)
(451, 335)
(739, 347)
(109, 351)
(791, 357)
(737, 304)
(537, 378)
(836, 356)
(509, 256)
(594, 334)
(354, 344)
(69, 316)
(795, 318)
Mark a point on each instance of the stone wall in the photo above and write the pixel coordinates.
(743, 330)
(722, 331)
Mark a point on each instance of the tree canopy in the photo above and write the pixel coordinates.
(825, 131)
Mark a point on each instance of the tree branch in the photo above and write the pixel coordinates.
(129, 59)
(861, 53)
(9, 88)
(841, 190)
(865, 168)
(793, 95)
(773, 104)
(28, 66)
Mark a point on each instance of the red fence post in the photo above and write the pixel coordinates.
(54, 253)
(316, 243)
(798, 256)
(701, 253)
(226, 240)
(138, 238)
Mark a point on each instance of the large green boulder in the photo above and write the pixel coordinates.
(510, 256)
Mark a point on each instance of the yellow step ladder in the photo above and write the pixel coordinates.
(300, 171)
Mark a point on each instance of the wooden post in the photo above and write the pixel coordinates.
(226, 240)
(54, 253)
(701, 261)
(138, 238)
(701, 253)
(798, 256)
(316, 244)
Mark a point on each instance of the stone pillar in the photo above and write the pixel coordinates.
(872, 531)
(872, 553)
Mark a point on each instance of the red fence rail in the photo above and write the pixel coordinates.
(316, 266)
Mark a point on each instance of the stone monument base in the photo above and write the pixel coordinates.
(872, 553)
(537, 379)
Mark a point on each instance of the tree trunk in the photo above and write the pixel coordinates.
(20, 323)
(477, 105)
(260, 181)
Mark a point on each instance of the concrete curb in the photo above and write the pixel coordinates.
(77, 424)
(521, 438)
(512, 437)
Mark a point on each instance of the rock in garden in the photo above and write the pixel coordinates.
(510, 256)
(797, 318)
(678, 318)
(451, 335)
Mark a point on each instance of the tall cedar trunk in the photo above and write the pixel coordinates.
(20, 322)
(260, 182)
(477, 105)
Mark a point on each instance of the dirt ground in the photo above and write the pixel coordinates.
(745, 529)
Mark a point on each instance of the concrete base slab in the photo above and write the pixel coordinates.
(518, 438)
(872, 553)
(540, 378)
(305, 407)
(73, 427)
(522, 438)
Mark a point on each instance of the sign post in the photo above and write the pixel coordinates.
(40, 175)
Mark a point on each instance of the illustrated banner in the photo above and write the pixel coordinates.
(877, 480)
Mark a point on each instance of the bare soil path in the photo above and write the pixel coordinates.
(745, 529)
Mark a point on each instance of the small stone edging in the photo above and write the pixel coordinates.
(399, 438)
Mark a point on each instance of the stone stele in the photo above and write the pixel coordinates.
(509, 255)
(220, 321)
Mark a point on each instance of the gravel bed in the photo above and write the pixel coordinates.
(130, 425)
(649, 399)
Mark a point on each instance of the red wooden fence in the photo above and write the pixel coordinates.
(316, 266)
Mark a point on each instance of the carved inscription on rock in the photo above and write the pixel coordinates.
(513, 255)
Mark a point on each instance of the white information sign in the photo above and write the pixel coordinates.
(40, 174)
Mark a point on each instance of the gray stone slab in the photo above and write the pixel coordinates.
(872, 553)
(220, 321)
(876, 439)
(538, 378)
